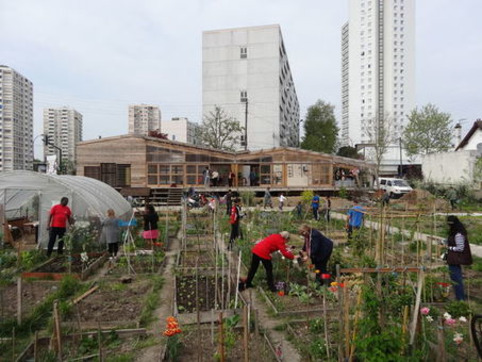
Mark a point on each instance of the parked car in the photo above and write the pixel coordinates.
(396, 187)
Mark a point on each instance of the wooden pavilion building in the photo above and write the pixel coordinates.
(136, 163)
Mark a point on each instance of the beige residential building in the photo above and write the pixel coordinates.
(63, 127)
(16, 120)
(144, 118)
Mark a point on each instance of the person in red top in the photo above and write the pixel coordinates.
(234, 218)
(262, 252)
(57, 225)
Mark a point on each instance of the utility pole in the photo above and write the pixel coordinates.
(246, 126)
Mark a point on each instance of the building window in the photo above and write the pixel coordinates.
(243, 52)
(244, 96)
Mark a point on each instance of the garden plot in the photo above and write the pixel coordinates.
(113, 304)
(202, 292)
(78, 266)
(136, 264)
(205, 344)
(193, 258)
(33, 293)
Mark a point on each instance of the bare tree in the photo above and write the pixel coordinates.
(381, 136)
(220, 131)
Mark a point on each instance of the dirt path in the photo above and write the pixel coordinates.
(165, 309)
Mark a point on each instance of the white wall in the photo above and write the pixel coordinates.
(449, 167)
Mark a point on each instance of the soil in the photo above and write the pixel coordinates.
(186, 293)
(111, 304)
(33, 293)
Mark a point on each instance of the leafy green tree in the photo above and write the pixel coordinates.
(220, 131)
(348, 151)
(428, 131)
(320, 128)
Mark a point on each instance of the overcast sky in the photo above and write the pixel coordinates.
(99, 56)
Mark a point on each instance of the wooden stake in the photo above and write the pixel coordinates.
(99, 342)
(413, 327)
(58, 332)
(19, 300)
(221, 338)
(35, 347)
(238, 272)
(87, 293)
(327, 339)
(246, 334)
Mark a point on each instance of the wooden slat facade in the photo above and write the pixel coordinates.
(140, 161)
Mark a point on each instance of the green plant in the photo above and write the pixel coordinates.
(458, 309)
(343, 193)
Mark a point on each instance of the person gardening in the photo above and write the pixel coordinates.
(59, 215)
(319, 248)
(261, 252)
(354, 219)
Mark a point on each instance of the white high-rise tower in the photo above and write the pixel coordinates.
(16, 121)
(63, 127)
(144, 118)
(378, 74)
(246, 73)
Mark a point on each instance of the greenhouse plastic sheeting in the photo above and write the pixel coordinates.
(38, 192)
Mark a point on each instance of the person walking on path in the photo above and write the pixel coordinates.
(111, 233)
(315, 206)
(60, 214)
(267, 199)
(458, 254)
(151, 218)
(354, 219)
(234, 221)
(281, 201)
(261, 252)
(319, 248)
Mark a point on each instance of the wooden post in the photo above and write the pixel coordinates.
(245, 334)
(58, 332)
(13, 344)
(99, 341)
(237, 280)
(19, 300)
(221, 338)
(35, 347)
(327, 339)
(413, 327)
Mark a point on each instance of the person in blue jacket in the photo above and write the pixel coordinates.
(319, 248)
(354, 219)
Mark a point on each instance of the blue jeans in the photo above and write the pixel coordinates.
(456, 276)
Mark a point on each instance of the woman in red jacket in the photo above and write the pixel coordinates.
(262, 252)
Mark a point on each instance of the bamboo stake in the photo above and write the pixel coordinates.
(404, 322)
(217, 253)
(212, 326)
(327, 339)
(58, 331)
(237, 279)
(35, 347)
(198, 313)
(19, 300)
(355, 325)
(245, 334)
(221, 338)
(99, 341)
(222, 281)
(417, 307)
(13, 344)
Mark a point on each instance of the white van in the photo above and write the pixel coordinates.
(396, 187)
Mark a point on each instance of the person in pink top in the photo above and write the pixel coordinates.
(60, 214)
(262, 252)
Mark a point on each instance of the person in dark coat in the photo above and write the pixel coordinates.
(458, 254)
(229, 201)
(151, 218)
(319, 248)
(261, 252)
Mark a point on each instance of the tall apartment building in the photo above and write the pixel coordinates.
(16, 121)
(180, 129)
(63, 126)
(144, 118)
(378, 72)
(246, 72)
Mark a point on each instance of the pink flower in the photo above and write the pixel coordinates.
(450, 321)
(425, 311)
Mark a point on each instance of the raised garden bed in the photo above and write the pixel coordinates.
(58, 267)
(139, 264)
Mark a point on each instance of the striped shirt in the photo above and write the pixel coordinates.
(459, 243)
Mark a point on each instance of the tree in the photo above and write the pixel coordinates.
(428, 131)
(348, 151)
(320, 128)
(220, 131)
(380, 134)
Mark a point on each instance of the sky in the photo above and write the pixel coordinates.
(99, 56)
